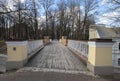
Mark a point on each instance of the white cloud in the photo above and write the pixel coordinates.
(107, 18)
(11, 4)
(81, 7)
(111, 14)
(22, 1)
(103, 20)
(41, 19)
(104, 2)
(3, 1)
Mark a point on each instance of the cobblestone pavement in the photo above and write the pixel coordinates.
(53, 63)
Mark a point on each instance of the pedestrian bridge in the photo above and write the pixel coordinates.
(56, 57)
(54, 61)
(66, 55)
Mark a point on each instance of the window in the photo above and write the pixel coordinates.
(119, 61)
(119, 46)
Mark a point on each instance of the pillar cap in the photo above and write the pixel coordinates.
(16, 43)
(100, 44)
(101, 40)
(46, 37)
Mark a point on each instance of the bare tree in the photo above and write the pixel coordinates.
(89, 9)
(75, 19)
(62, 17)
(20, 22)
(67, 20)
(115, 8)
(46, 5)
(3, 21)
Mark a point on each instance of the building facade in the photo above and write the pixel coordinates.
(102, 32)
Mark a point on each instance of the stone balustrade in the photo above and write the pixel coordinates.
(79, 46)
(18, 52)
(98, 53)
(32, 45)
(3, 59)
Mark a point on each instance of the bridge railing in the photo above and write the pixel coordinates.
(80, 46)
(18, 52)
(33, 46)
(99, 54)
(116, 55)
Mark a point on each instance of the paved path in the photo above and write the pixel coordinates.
(49, 76)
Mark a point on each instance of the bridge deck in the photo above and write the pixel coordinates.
(56, 56)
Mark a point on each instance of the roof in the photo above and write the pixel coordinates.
(105, 32)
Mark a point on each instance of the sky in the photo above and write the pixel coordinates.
(101, 17)
(105, 14)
